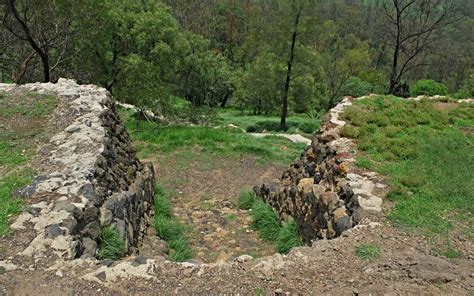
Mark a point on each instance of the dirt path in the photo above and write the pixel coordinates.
(204, 195)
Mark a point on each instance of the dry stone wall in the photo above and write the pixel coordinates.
(322, 191)
(91, 178)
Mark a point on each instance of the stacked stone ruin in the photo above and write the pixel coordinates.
(92, 179)
(321, 190)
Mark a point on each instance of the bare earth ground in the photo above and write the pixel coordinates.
(405, 266)
(204, 193)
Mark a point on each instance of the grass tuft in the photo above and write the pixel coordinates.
(246, 199)
(288, 237)
(112, 245)
(265, 221)
(368, 252)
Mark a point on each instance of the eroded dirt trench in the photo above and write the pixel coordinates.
(204, 194)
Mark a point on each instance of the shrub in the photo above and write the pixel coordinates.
(111, 245)
(428, 87)
(246, 200)
(367, 252)
(265, 221)
(356, 87)
(288, 237)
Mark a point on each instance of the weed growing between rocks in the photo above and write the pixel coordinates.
(265, 221)
(169, 229)
(111, 245)
(368, 252)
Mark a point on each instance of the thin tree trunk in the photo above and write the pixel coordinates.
(24, 65)
(284, 110)
(396, 53)
(42, 53)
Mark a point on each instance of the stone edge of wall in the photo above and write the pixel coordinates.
(94, 180)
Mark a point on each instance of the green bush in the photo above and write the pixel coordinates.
(428, 87)
(356, 87)
(288, 237)
(111, 245)
(246, 200)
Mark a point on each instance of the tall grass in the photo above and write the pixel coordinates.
(265, 221)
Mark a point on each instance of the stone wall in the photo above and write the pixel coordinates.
(322, 191)
(89, 177)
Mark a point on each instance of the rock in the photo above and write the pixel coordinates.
(279, 291)
(90, 247)
(102, 276)
(305, 185)
(53, 231)
(244, 258)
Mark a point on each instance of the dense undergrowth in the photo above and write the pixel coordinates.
(425, 148)
(225, 142)
(169, 229)
(265, 221)
(17, 145)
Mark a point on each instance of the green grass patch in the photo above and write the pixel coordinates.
(425, 150)
(246, 199)
(448, 252)
(29, 105)
(229, 143)
(270, 123)
(112, 245)
(288, 237)
(18, 144)
(170, 230)
(231, 218)
(8, 205)
(368, 252)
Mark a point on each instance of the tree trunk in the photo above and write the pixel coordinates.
(42, 53)
(46, 72)
(23, 67)
(396, 53)
(224, 100)
(284, 109)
